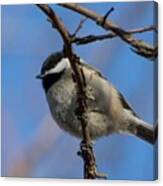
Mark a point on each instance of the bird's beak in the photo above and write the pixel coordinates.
(40, 76)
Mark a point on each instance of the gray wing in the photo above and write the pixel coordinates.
(126, 105)
(82, 63)
(122, 99)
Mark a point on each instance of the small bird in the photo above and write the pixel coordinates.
(107, 112)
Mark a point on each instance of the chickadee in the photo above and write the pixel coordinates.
(107, 112)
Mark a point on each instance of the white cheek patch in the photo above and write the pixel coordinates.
(63, 64)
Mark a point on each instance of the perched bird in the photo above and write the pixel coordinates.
(107, 112)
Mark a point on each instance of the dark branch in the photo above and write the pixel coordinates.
(140, 47)
(78, 75)
(107, 14)
(79, 27)
(94, 38)
(56, 23)
(141, 30)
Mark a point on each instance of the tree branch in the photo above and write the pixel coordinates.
(93, 38)
(86, 150)
(139, 46)
(107, 14)
(79, 27)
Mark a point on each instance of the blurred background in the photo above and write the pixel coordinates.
(32, 143)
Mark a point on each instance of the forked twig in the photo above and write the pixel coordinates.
(79, 27)
(140, 47)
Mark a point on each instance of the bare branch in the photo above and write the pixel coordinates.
(79, 27)
(86, 150)
(141, 30)
(52, 17)
(94, 38)
(107, 14)
(140, 47)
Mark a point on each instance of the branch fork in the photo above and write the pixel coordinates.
(141, 48)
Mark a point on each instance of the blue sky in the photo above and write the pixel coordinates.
(32, 144)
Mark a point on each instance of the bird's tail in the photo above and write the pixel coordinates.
(143, 130)
(147, 132)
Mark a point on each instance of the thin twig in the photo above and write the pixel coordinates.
(86, 150)
(94, 38)
(79, 27)
(107, 14)
(139, 46)
(141, 30)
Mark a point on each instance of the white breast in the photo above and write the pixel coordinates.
(62, 102)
